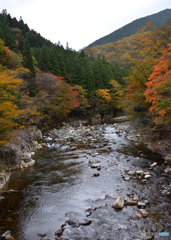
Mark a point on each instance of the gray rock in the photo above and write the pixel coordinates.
(135, 198)
(141, 204)
(96, 174)
(4, 178)
(6, 233)
(139, 172)
(2, 198)
(27, 157)
(167, 170)
(8, 156)
(131, 173)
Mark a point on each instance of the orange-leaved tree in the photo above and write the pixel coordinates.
(103, 101)
(141, 60)
(159, 88)
(11, 111)
(116, 94)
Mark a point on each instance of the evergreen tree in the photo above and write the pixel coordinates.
(90, 79)
(44, 59)
(62, 65)
(98, 74)
(27, 57)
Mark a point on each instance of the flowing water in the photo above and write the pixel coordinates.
(61, 190)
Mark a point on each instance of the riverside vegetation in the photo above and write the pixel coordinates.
(43, 84)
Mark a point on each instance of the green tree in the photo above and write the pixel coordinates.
(27, 57)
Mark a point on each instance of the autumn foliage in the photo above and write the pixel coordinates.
(55, 97)
(12, 115)
(158, 91)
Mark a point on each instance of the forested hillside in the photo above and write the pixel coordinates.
(157, 19)
(42, 83)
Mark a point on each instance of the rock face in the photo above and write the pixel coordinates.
(119, 203)
(8, 156)
(18, 153)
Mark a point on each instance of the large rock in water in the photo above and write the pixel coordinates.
(8, 156)
(119, 203)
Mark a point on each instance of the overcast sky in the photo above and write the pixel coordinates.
(80, 22)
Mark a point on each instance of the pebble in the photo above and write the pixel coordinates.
(147, 176)
(142, 213)
(96, 174)
(153, 164)
(94, 165)
(2, 198)
(42, 234)
(131, 202)
(141, 204)
(139, 172)
(135, 198)
(127, 178)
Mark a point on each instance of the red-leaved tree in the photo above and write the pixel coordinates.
(159, 88)
(55, 97)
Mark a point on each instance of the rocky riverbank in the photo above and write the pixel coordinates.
(105, 186)
(157, 140)
(19, 152)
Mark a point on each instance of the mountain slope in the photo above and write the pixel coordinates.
(157, 19)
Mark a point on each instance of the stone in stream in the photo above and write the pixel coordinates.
(42, 234)
(131, 202)
(7, 235)
(119, 203)
(139, 172)
(59, 232)
(147, 176)
(59, 238)
(153, 164)
(167, 170)
(127, 178)
(135, 198)
(131, 172)
(96, 175)
(142, 213)
(95, 165)
(141, 204)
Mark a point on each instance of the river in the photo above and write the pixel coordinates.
(61, 190)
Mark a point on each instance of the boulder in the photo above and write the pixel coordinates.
(8, 156)
(119, 203)
(4, 178)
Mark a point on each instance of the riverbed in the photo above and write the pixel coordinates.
(62, 196)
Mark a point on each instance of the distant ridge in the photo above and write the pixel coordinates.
(158, 19)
